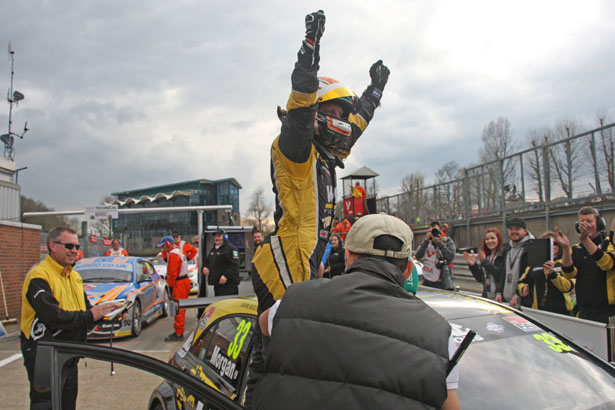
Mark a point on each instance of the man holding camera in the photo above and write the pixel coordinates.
(436, 252)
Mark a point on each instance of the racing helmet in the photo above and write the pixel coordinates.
(334, 133)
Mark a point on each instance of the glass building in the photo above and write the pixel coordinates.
(140, 233)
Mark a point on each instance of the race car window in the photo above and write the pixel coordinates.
(223, 347)
(144, 271)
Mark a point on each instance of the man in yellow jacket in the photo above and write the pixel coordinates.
(55, 307)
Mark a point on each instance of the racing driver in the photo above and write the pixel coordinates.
(322, 121)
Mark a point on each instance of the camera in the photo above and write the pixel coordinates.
(440, 264)
(435, 232)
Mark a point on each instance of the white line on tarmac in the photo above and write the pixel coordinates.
(10, 359)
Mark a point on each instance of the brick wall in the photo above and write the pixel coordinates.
(19, 251)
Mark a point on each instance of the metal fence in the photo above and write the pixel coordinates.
(549, 174)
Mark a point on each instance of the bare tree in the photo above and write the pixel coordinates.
(565, 153)
(412, 202)
(448, 192)
(496, 146)
(536, 138)
(607, 147)
(259, 209)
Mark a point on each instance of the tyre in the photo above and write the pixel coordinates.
(137, 319)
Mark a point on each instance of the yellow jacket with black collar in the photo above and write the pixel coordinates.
(54, 304)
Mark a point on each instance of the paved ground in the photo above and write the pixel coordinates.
(98, 389)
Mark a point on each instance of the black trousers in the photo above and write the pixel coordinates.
(40, 398)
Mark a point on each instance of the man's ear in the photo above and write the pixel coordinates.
(351, 258)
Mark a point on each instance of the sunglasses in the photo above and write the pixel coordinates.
(69, 246)
(196, 243)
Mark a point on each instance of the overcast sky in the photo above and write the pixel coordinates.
(129, 94)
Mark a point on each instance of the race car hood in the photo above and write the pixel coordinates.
(104, 292)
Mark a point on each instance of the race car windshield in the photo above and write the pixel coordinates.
(533, 371)
(105, 275)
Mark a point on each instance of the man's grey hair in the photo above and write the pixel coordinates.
(55, 233)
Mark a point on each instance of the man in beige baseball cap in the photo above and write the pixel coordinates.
(358, 340)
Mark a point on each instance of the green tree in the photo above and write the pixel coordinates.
(48, 222)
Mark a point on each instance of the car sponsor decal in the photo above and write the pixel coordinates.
(224, 365)
(553, 342)
(104, 265)
(326, 222)
(522, 323)
(494, 327)
(210, 312)
(242, 331)
(112, 294)
(459, 332)
(249, 306)
(203, 323)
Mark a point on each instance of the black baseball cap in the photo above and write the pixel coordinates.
(516, 222)
(220, 231)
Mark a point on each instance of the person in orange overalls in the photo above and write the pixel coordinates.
(178, 282)
(343, 227)
(116, 249)
(187, 249)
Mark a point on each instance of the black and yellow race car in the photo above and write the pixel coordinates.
(514, 361)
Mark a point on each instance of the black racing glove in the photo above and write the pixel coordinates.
(309, 54)
(379, 74)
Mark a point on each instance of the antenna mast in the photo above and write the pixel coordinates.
(13, 97)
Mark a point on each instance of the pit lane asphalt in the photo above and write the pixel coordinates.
(98, 389)
(128, 388)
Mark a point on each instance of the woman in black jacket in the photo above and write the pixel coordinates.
(490, 264)
(336, 262)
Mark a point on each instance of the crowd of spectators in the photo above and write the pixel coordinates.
(579, 279)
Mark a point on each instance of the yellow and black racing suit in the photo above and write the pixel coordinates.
(595, 279)
(304, 183)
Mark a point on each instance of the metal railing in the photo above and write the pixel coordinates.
(554, 173)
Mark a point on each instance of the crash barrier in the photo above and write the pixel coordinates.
(51, 355)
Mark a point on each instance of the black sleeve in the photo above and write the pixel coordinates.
(494, 268)
(232, 268)
(48, 310)
(298, 126)
(205, 263)
(476, 272)
(420, 251)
